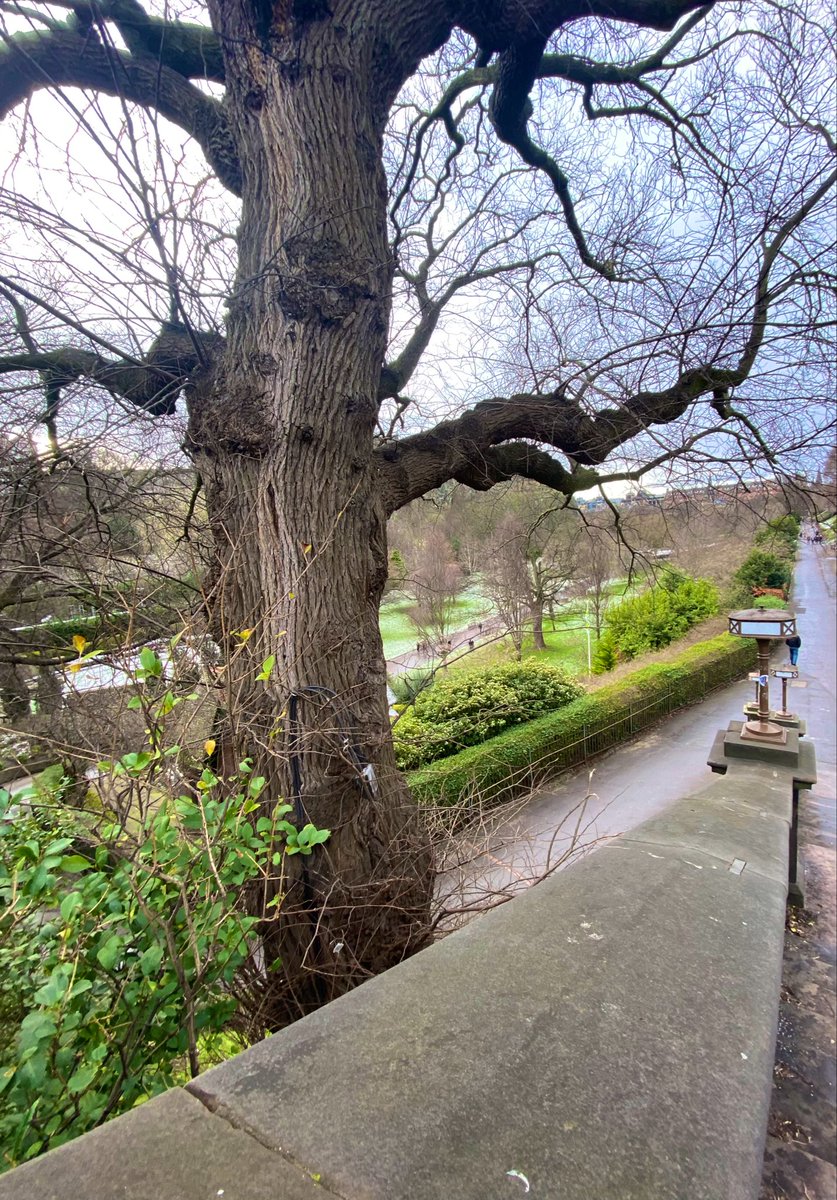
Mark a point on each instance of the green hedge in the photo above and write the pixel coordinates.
(523, 757)
(655, 618)
(469, 707)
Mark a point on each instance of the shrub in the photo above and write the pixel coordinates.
(659, 616)
(122, 932)
(769, 602)
(606, 655)
(520, 758)
(410, 684)
(762, 569)
(465, 708)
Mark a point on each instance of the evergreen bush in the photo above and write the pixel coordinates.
(762, 569)
(657, 617)
(465, 708)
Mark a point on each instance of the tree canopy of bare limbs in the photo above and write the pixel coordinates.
(426, 240)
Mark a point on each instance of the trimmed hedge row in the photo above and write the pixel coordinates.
(522, 758)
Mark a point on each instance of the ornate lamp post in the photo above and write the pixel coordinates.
(765, 625)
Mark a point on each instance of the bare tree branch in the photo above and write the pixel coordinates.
(72, 58)
(469, 449)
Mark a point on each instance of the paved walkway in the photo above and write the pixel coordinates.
(802, 1131)
(639, 779)
(461, 642)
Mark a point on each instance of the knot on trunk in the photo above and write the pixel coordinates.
(322, 280)
(231, 418)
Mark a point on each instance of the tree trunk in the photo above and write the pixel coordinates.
(282, 436)
(537, 625)
(14, 693)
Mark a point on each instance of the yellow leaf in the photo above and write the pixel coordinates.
(306, 549)
(75, 667)
(79, 641)
(291, 595)
(244, 634)
(209, 746)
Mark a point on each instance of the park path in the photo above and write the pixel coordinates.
(642, 777)
(799, 1158)
(461, 641)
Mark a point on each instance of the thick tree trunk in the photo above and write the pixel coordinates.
(282, 436)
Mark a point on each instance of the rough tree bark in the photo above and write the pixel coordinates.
(281, 432)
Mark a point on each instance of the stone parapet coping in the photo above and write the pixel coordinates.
(608, 1035)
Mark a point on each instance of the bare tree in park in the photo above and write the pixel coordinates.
(427, 240)
(506, 578)
(536, 559)
(597, 563)
(435, 581)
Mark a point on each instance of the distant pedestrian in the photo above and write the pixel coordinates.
(471, 644)
(793, 644)
(480, 626)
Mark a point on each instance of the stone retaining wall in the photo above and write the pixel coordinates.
(607, 1036)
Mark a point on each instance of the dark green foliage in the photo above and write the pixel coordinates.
(762, 569)
(521, 758)
(606, 655)
(465, 708)
(659, 616)
(780, 537)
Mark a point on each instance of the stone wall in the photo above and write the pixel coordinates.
(607, 1036)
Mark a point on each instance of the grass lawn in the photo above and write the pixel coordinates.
(399, 633)
(397, 629)
(566, 643)
(566, 646)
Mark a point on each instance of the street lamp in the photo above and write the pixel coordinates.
(765, 625)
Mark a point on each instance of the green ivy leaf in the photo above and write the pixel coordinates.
(110, 952)
(150, 960)
(70, 904)
(267, 667)
(74, 863)
(34, 1027)
(150, 662)
(81, 1079)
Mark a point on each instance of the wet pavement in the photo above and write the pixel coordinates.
(641, 778)
(638, 780)
(801, 1151)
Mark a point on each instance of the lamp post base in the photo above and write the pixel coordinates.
(764, 731)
